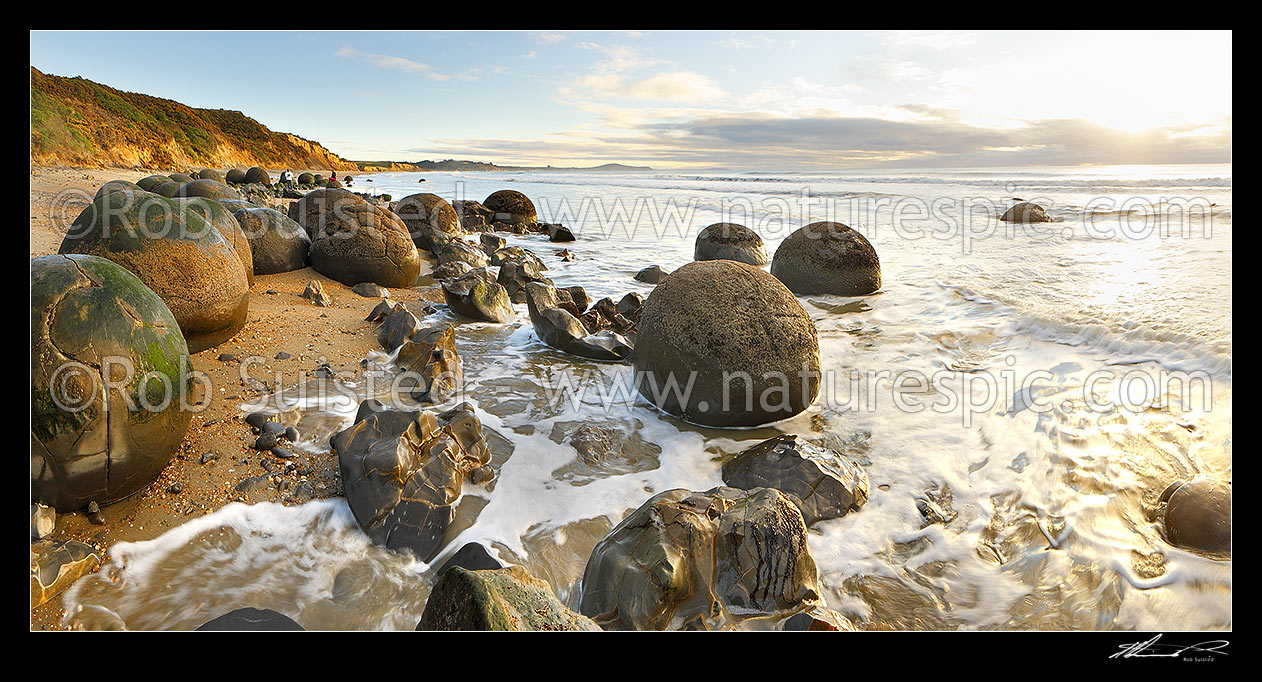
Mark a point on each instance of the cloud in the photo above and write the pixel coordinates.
(675, 86)
(550, 38)
(927, 40)
(391, 62)
(736, 43)
(529, 55)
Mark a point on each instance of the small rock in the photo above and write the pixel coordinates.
(95, 517)
(43, 520)
(209, 456)
(653, 274)
(254, 484)
(283, 356)
(315, 292)
(175, 489)
(267, 441)
(227, 357)
(370, 290)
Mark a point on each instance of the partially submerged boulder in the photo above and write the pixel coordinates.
(560, 329)
(1026, 212)
(516, 274)
(177, 253)
(691, 560)
(1197, 515)
(827, 258)
(737, 336)
(511, 207)
(478, 296)
(505, 599)
(653, 274)
(86, 445)
(462, 251)
(822, 483)
(404, 472)
(432, 363)
(250, 619)
(430, 219)
(732, 242)
(56, 564)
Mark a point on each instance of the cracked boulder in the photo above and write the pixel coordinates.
(827, 258)
(478, 296)
(56, 564)
(177, 253)
(433, 364)
(461, 251)
(732, 242)
(505, 599)
(277, 243)
(516, 274)
(822, 483)
(92, 320)
(702, 560)
(404, 472)
(511, 207)
(560, 329)
(431, 220)
(353, 241)
(472, 214)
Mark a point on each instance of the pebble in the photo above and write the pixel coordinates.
(209, 456)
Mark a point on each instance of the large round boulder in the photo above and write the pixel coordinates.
(737, 336)
(277, 243)
(177, 253)
(210, 174)
(116, 186)
(181, 178)
(208, 189)
(353, 241)
(166, 189)
(827, 258)
(259, 175)
(511, 207)
(306, 179)
(224, 221)
(92, 440)
(732, 242)
(431, 220)
(148, 183)
(1026, 212)
(692, 560)
(235, 176)
(1198, 515)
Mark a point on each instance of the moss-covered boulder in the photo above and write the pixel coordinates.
(732, 242)
(210, 174)
(181, 177)
(148, 183)
(827, 258)
(235, 176)
(306, 179)
(1026, 212)
(92, 440)
(224, 221)
(477, 296)
(711, 560)
(431, 220)
(277, 243)
(208, 189)
(177, 253)
(505, 599)
(116, 186)
(167, 189)
(511, 207)
(733, 333)
(353, 241)
(259, 175)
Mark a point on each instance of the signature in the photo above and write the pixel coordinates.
(1153, 649)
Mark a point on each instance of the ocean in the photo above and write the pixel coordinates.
(1040, 384)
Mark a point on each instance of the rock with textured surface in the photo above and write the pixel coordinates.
(459, 250)
(690, 560)
(431, 220)
(353, 241)
(177, 253)
(472, 214)
(516, 274)
(404, 471)
(505, 599)
(827, 258)
(259, 175)
(738, 335)
(1197, 514)
(207, 189)
(1026, 212)
(511, 207)
(315, 293)
(434, 366)
(210, 174)
(222, 218)
(653, 274)
(476, 295)
(277, 244)
(56, 564)
(732, 242)
(822, 483)
(370, 290)
(560, 329)
(43, 521)
(149, 182)
(85, 445)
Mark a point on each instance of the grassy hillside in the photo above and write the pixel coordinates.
(77, 121)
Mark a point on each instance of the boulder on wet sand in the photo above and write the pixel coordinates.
(56, 564)
(208, 189)
(235, 176)
(434, 367)
(177, 253)
(1026, 212)
(277, 244)
(560, 329)
(737, 335)
(822, 483)
(478, 296)
(226, 223)
(511, 207)
(259, 175)
(653, 274)
(505, 599)
(732, 242)
(397, 327)
(404, 471)
(430, 219)
(251, 620)
(827, 258)
(691, 560)
(86, 445)
(1197, 515)
(353, 241)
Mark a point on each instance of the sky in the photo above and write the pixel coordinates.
(770, 100)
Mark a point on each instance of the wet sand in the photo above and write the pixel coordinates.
(278, 322)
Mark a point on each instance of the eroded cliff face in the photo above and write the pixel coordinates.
(75, 121)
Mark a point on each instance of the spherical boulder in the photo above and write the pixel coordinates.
(181, 177)
(431, 220)
(166, 189)
(177, 253)
(91, 440)
(353, 241)
(116, 186)
(1198, 515)
(732, 242)
(259, 175)
(210, 174)
(277, 243)
(235, 176)
(226, 223)
(827, 258)
(737, 335)
(333, 184)
(209, 189)
(511, 207)
(148, 183)
(1026, 212)
(306, 179)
